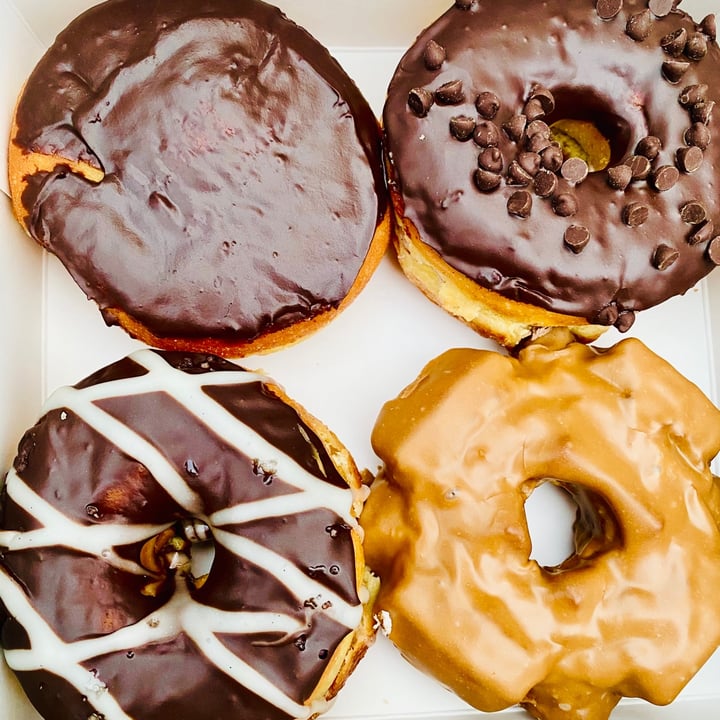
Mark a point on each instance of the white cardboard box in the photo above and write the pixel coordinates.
(52, 335)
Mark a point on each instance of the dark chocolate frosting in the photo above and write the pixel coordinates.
(226, 453)
(628, 248)
(243, 179)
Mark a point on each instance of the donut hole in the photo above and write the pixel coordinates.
(586, 127)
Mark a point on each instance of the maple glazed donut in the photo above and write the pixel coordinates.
(633, 611)
(552, 163)
(123, 477)
(206, 171)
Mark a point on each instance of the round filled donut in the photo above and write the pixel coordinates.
(178, 539)
(553, 163)
(633, 610)
(206, 171)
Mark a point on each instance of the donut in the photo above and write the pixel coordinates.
(633, 610)
(206, 172)
(552, 163)
(179, 538)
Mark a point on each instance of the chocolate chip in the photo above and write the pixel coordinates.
(574, 170)
(708, 26)
(619, 177)
(674, 43)
(661, 8)
(491, 159)
(420, 100)
(702, 111)
(462, 127)
(514, 128)
(434, 55)
(664, 178)
(538, 127)
(664, 256)
(673, 70)
(693, 94)
(520, 203)
(551, 158)
(608, 9)
(517, 176)
(564, 204)
(693, 212)
(533, 109)
(544, 96)
(702, 234)
(639, 166)
(486, 134)
(545, 183)
(639, 26)
(713, 250)
(649, 147)
(463, 4)
(486, 181)
(635, 214)
(698, 134)
(607, 316)
(529, 162)
(689, 159)
(537, 142)
(576, 237)
(450, 93)
(625, 320)
(696, 47)
(487, 104)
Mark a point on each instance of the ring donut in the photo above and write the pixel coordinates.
(552, 163)
(633, 611)
(115, 492)
(205, 170)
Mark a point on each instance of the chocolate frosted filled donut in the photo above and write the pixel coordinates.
(178, 539)
(206, 171)
(542, 155)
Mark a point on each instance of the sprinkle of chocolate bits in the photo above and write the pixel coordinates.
(674, 43)
(713, 250)
(514, 128)
(607, 316)
(420, 100)
(693, 212)
(529, 162)
(702, 111)
(608, 9)
(574, 170)
(664, 178)
(639, 25)
(639, 167)
(462, 127)
(544, 96)
(673, 70)
(538, 127)
(625, 320)
(709, 26)
(486, 134)
(689, 159)
(516, 175)
(664, 256)
(635, 214)
(697, 134)
(696, 46)
(545, 183)
(649, 147)
(619, 177)
(533, 109)
(551, 158)
(564, 204)
(702, 233)
(537, 143)
(576, 237)
(491, 159)
(487, 104)
(661, 8)
(434, 55)
(450, 93)
(519, 204)
(693, 94)
(486, 181)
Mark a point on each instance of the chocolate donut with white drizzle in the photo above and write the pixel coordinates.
(106, 616)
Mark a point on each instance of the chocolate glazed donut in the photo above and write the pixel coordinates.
(108, 615)
(480, 183)
(206, 171)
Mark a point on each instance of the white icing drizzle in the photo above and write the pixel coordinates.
(181, 613)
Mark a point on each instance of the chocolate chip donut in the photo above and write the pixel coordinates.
(552, 163)
(633, 610)
(115, 492)
(207, 173)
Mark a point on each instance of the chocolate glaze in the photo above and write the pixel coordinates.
(243, 175)
(74, 466)
(595, 71)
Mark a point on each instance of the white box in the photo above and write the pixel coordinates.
(52, 335)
